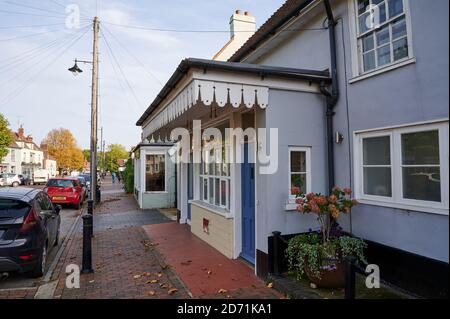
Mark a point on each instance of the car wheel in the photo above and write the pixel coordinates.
(39, 270)
(15, 184)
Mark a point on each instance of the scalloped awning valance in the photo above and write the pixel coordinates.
(206, 92)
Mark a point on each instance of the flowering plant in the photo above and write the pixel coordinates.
(319, 251)
(327, 208)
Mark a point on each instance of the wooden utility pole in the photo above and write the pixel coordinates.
(101, 149)
(94, 116)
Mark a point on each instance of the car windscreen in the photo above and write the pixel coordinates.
(11, 208)
(60, 183)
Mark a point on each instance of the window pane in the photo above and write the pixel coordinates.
(298, 184)
(211, 190)
(421, 148)
(298, 161)
(395, 7)
(399, 29)
(205, 189)
(364, 22)
(382, 13)
(400, 49)
(377, 151)
(362, 6)
(201, 188)
(422, 183)
(155, 173)
(367, 42)
(383, 36)
(369, 61)
(384, 55)
(217, 191)
(377, 181)
(223, 193)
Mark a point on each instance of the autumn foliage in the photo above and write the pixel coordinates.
(63, 147)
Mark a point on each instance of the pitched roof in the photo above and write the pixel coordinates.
(287, 11)
(260, 70)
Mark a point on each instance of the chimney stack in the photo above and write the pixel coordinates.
(242, 25)
(21, 133)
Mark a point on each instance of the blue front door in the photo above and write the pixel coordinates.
(248, 208)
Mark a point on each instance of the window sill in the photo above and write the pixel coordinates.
(156, 193)
(382, 70)
(211, 208)
(290, 207)
(431, 210)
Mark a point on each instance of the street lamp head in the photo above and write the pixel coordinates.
(75, 69)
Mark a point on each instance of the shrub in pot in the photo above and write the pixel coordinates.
(319, 255)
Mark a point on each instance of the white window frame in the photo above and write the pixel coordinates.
(307, 151)
(165, 171)
(356, 46)
(221, 178)
(397, 200)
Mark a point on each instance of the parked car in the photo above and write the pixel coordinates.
(25, 180)
(29, 229)
(84, 186)
(65, 191)
(9, 179)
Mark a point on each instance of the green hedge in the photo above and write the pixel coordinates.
(128, 176)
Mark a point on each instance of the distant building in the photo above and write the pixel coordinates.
(49, 162)
(24, 156)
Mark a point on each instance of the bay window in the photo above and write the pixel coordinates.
(155, 173)
(214, 177)
(406, 166)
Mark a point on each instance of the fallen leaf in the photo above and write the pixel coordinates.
(164, 267)
(146, 274)
(151, 293)
(163, 286)
(91, 281)
(222, 291)
(159, 275)
(154, 281)
(270, 285)
(172, 291)
(137, 276)
(209, 272)
(186, 263)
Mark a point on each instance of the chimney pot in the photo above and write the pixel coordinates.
(247, 13)
(238, 12)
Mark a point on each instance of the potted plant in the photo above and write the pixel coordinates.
(320, 255)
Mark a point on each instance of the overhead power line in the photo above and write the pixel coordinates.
(32, 34)
(154, 77)
(7, 99)
(34, 8)
(199, 30)
(31, 14)
(31, 26)
(120, 68)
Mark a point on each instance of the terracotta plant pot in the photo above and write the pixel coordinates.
(329, 278)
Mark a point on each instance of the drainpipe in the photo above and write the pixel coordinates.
(331, 97)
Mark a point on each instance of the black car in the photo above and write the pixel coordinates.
(29, 229)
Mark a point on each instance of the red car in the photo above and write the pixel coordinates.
(65, 191)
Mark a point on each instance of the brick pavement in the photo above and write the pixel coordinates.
(205, 271)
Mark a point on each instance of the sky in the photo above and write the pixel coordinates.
(37, 47)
